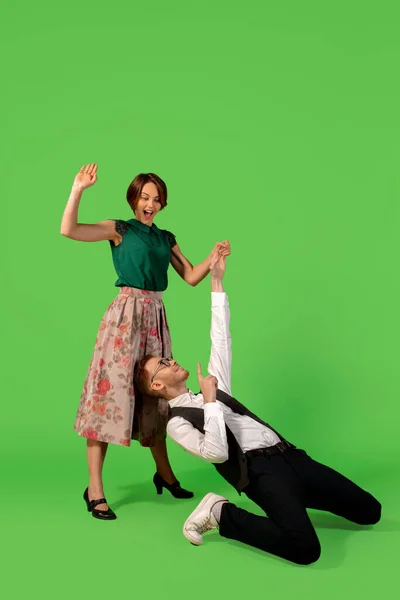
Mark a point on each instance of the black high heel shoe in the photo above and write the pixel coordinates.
(104, 515)
(174, 488)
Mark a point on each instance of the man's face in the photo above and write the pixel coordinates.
(165, 373)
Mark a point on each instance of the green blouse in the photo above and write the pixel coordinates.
(142, 259)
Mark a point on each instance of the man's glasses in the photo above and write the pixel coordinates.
(164, 362)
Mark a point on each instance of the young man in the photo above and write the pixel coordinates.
(252, 456)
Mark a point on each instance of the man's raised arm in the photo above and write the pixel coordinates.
(220, 364)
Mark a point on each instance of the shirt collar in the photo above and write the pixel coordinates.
(145, 228)
(182, 400)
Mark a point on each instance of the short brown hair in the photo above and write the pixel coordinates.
(142, 380)
(136, 186)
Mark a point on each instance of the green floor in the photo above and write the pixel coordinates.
(53, 548)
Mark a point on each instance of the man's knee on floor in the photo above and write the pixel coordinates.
(370, 514)
(306, 552)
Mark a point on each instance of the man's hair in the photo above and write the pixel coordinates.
(142, 379)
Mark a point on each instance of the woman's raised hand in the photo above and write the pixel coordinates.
(86, 177)
(222, 248)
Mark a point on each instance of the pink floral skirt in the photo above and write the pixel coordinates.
(134, 325)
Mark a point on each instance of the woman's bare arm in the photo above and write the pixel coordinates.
(194, 274)
(95, 232)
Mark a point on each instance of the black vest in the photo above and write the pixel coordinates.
(234, 470)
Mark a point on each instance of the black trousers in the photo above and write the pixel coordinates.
(284, 486)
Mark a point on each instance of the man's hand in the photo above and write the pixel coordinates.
(218, 264)
(208, 386)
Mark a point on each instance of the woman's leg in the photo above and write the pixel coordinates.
(160, 455)
(96, 453)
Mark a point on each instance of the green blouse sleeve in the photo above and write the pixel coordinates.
(171, 239)
(121, 227)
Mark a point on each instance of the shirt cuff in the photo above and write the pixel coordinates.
(212, 409)
(219, 298)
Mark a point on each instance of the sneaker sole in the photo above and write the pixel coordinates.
(186, 533)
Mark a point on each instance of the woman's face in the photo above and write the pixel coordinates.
(148, 204)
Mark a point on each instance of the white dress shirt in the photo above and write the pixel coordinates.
(212, 445)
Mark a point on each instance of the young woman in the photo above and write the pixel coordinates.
(134, 325)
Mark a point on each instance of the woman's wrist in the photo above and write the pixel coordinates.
(77, 190)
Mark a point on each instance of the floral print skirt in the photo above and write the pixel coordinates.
(134, 325)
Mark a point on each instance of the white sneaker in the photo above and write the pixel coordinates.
(202, 519)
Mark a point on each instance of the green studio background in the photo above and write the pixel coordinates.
(276, 126)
